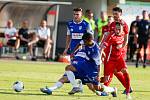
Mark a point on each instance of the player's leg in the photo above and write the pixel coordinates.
(57, 85)
(71, 77)
(138, 54)
(120, 77)
(145, 54)
(123, 69)
(127, 80)
(108, 72)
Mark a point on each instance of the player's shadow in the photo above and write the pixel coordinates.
(76, 95)
(12, 93)
(33, 94)
(138, 90)
(31, 81)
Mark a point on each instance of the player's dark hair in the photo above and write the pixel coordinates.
(77, 9)
(117, 9)
(88, 11)
(87, 36)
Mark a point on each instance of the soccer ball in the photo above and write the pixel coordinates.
(24, 57)
(18, 86)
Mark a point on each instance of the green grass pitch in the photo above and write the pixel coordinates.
(39, 74)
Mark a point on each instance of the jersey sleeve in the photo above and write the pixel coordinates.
(89, 29)
(125, 28)
(96, 57)
(68, 31)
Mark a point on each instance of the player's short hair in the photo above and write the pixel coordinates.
(87, 36)
(117, 9)
(77, 9)
(88, 11)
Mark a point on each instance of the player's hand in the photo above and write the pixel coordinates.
(102, 80)
(65, 52)
(72, 55)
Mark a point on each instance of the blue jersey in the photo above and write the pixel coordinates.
(89, 54)
(76, 31)
(86, 62)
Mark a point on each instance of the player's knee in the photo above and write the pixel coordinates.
(124, 70)
(68, 68)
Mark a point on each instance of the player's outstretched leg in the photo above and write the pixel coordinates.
(59, 84)
(46, 91)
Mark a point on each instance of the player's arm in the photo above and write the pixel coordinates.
(68, 39)
(78, 46)
(75, 50)
(22, 38)
(89, 29)
(126, 30)
(125, 41)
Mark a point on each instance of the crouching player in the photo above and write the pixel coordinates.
(84, 66)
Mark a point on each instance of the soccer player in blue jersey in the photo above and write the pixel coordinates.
(83, 66)
(75, 30)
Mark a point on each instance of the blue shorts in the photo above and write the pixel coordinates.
(86, 71)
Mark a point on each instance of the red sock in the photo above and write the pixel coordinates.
(127, 80)
(121, 78)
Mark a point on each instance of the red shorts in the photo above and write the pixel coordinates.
(112, 65)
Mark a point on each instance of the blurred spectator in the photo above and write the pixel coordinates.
(89, 18)
(42, 38)
(106, 28)
(102, 21)
(11, 35)
(23, 36)
(132, 44)
(143, 36)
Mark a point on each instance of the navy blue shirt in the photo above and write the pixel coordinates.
(143, 29)
(23, 32)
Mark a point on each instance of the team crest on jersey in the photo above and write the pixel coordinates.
(80, 27)
(88, 52)
(147, 26)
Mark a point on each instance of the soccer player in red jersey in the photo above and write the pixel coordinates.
(105, 34)
(117, 41)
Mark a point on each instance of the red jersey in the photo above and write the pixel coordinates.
(106, 36)
(114, 40)
(105, 32)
